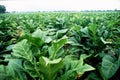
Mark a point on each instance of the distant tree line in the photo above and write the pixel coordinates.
(100, 10)
(2, 9)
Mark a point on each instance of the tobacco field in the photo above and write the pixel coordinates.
(60, 46)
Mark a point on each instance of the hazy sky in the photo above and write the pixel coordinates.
(51, 5)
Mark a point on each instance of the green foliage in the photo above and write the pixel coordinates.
(47, 68)
(60, 46)
(56, 46)
(22, 50)
(14, 70)
(75, 67)
(50, 68)
(109, 66)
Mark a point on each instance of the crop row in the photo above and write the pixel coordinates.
(60, 46)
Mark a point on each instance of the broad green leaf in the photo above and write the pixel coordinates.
(82, 57)
(56, 46)
(67, 75)
(109, 66)
(36, 41)
(84, 68)
(9, 47)
(42, 35)
(48, 39)
(93, 28)
(73, 42)
(61, 32)
(39, 34)
(14, 71)
(30, 68)
(51, 62)
(85, 32)
(22, 50)
(60, 53)
(75, 67)
(50, 68)
(93, 32)
(79, 65)
(3, 73)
